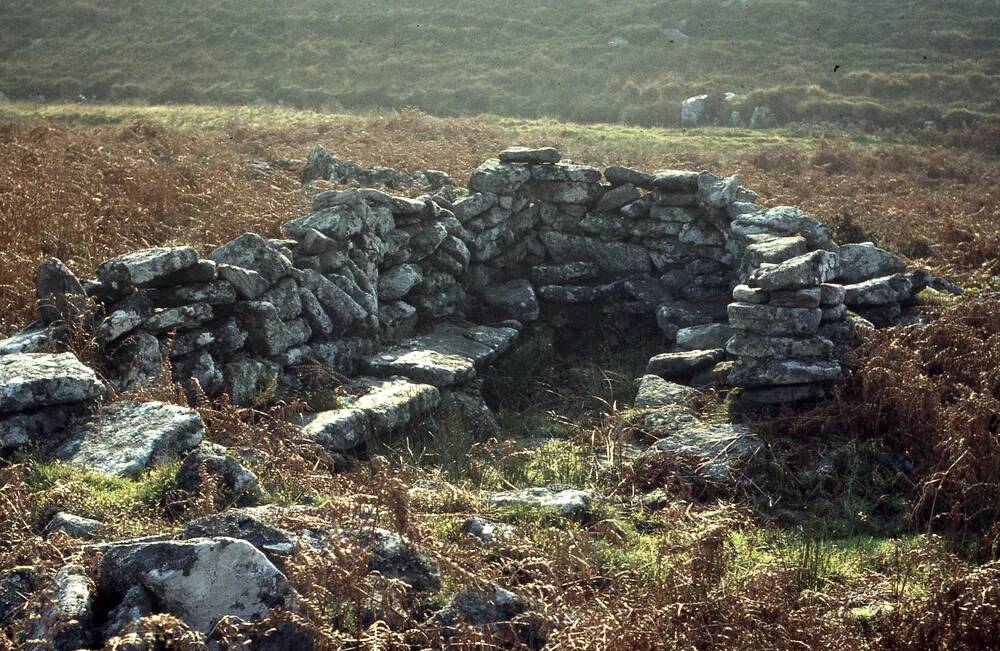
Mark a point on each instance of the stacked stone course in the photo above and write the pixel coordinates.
(763, 297)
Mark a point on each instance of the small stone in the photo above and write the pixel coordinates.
(499, 178)
(239, 485)
(566, 173)
(806, 297)
(247, 283)
(126, 316)
(582, 194)
(783, 220)
(675, 181)
(220, 292)
(529, 155)
(751, 372)
(809, 270)
(834, 312)
(337, 430)
(636, 209)
(683, 365)
(488, 533)
(253, 252)
(568, 502)
(770, 249)
(701, 235)
(73, 526)
(710, 336)
(616, 258)
(266, 333)
(747, 344)
(247, 379)
(474, 205)
(138, 362)
(561, 274)
(860, 262)
(831, 294)
(747, 294)
(395, 558)
(771, 320)
(878, 291)
(618, 197)
(396, 282)
(654, 391)
(618, 175)
(724, 448)
(178, 318)
(145, 268)
(717, 193)
(513, 300)
(60, 294)
(284, 296)
(675, 200)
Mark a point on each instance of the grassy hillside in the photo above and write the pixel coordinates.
(882, 61)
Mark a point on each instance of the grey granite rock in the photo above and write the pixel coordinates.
(126, 439)
(530, 155)
(32, 380)
(253, 252)
(570, 503)
(194, 579)
(654, 391)
(145, 268)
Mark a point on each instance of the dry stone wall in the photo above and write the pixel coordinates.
(432, 289)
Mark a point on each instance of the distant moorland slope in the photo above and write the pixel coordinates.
(883, 62)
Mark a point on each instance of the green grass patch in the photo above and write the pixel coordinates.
(126, 506)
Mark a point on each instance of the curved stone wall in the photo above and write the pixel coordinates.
(764, 291)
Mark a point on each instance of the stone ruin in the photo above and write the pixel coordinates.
(405, 301)
(408, 298)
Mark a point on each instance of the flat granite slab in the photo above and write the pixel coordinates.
(33, 380)
(386, 405)
(125, 439)
(446, 356)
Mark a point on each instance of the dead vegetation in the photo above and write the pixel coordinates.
(709, 571)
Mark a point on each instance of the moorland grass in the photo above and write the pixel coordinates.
(885, 62)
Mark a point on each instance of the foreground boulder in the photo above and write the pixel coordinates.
(126, 439)
(198, 580)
